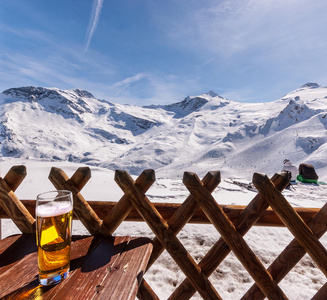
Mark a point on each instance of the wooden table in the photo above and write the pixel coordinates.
(101, 268)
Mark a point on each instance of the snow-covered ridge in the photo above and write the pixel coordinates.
(189, 104)
(200, 133)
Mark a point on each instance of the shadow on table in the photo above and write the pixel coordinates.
(101, 252)
(24, 245)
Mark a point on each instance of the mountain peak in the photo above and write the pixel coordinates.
(185, 107)
(212, 94)
(32, 93)
(83, 93)
(311, 85)
(29, 92)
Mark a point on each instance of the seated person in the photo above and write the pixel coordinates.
(307, 173)
(290, 168)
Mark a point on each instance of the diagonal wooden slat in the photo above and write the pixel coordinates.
(232, 237)
(292, 220)
(124, 206)
(184, 214)
(119, 213)
(220, 249)
(145, 292)
(178, 220)
(82, 209)
(15, 176)
(11, 204)
(161, 229)
(81, 177)
(321, 294)
(291, 255)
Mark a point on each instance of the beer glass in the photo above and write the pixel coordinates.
(54, 213)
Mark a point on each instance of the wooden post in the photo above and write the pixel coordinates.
(11, 204)
(166, 236)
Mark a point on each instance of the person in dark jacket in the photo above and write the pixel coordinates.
(307, 173)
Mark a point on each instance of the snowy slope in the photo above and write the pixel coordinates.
(200, 133)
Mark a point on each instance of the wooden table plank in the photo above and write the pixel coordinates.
(128, 269)
(18, 264)
(95, 267)
(20, 249)
(27, 285)
(92, 259)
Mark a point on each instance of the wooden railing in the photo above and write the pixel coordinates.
(268, 208)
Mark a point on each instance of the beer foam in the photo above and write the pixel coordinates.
(52, 209)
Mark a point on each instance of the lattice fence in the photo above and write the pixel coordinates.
(306, 234)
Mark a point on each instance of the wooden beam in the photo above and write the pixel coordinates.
(103, 208)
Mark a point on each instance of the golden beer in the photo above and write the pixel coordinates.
(53, 238)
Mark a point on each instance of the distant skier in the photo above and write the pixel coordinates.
(307, 173)
(290, 168)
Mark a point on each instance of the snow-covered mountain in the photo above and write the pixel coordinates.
(200, 133)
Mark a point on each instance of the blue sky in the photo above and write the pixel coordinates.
(159, 52)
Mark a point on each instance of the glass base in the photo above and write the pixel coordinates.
(52, 279)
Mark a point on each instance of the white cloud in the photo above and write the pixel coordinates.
(93, 23)
(63, 65)
(157, 89)
(127, 82)
(228, 28)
